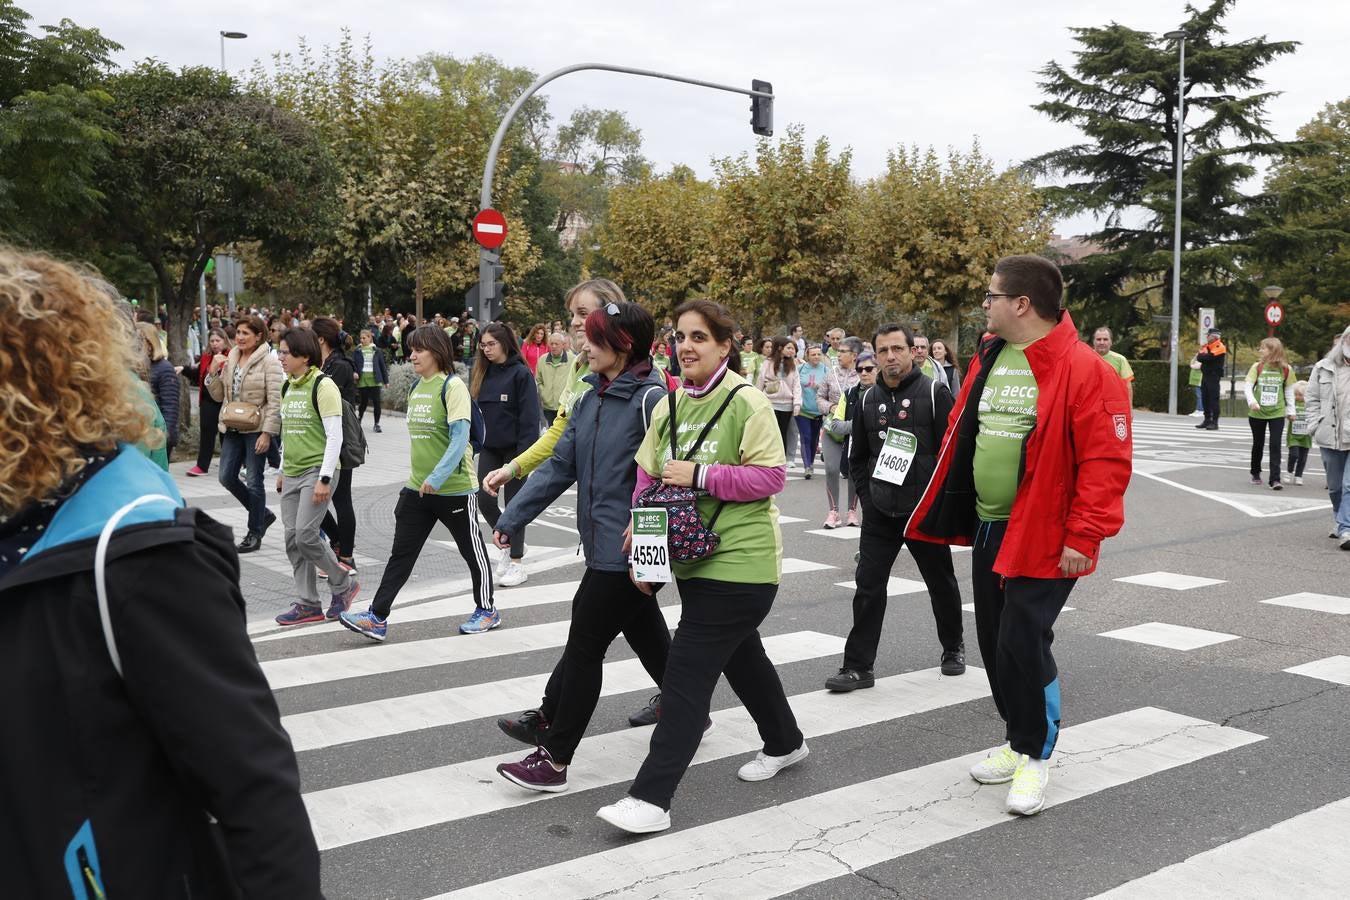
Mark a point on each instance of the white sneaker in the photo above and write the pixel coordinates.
(996, 768)
(635, 816)
(1197, 414)
(763, 767)
(515, 574)
(1298, 479)
(1027, 794)
(271, 474)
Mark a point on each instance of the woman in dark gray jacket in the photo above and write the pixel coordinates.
(504, 388)
(604, 430)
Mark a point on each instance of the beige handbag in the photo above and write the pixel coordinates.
(237, 415)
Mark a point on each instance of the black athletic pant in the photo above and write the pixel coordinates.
(1298, 458)
(880, 542)
(647, 635)
(717, 634)
(1209, 389)
(1014, 618)
(339, 522)
(784, 423)
(209, 414)
(414, 518)
(490, 459)
(1259, 429)
(368, 395)
(605, 604)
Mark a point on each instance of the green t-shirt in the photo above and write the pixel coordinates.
(1298, 429)
(1268, 388)
(429, 433)
(302, 434)
(1120, 364)
(366, 377)
(662, 361)
(751, 362)
(751, 551)
(1007, 413)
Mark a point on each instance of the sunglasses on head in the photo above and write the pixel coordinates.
(612, 308)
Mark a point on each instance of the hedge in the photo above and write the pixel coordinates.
(1151, 377)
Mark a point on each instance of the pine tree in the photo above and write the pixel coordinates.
(1121, 92)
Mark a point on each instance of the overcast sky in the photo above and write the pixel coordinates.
(868, 75)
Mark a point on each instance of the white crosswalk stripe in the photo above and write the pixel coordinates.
(784, 848)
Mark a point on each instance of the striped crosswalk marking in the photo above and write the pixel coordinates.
(1306, 856)
(374, 809)
(370, 659)
(783, 848)
(396, 715)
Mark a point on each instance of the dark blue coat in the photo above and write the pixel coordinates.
(509, 400)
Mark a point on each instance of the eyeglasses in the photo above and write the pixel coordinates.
(989, 296)
(867, 368)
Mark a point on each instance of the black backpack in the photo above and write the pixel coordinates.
(477, 424)
(353, 452)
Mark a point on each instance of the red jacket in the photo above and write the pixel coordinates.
(533, 353)
(1075, 462)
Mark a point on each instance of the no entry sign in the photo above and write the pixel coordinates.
(1274, 314)
(489, 228)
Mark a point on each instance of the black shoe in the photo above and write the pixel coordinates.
(250, 543)
(531, 728)
(1212, 426)
(850, 680)
(268, 518)
(954, 661)
(1203, 425)
(648, 714)
(378, 429)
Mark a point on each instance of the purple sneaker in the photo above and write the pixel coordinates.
(300, 614)
(343, 602)
(535, 773)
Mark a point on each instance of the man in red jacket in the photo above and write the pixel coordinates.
(1032, 473)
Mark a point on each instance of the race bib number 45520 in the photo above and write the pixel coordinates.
(651, 552)
(897, 455)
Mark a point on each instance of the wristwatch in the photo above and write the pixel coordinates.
(325, 479)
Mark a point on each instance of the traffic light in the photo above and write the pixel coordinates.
(761, 109)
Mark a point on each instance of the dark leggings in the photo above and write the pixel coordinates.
(1259, 429)
(784, 423)
(209, 416)
(369, 395)
(1298, 458)
(606, 603)
(489, 459)
(343, 528)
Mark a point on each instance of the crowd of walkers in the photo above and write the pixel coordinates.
(1023, 455)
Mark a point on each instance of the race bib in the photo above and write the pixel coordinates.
(1300, 425)
(897, 455)
(651, 553)
(1270, 395)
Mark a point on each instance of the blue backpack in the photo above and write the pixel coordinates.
(477, 426)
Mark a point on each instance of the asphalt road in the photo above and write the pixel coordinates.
(1208, 771)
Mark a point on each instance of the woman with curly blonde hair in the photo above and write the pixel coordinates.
(125, 624)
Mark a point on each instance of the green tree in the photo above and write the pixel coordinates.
(1121, 93)
(928, 231)
(656, 238)
(1305, 245)
(54, 127)
(198, 165)
(780, 226)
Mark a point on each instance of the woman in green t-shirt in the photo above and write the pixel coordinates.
(311, 439)
(738, 467)
(441, 488)
(1270, 400)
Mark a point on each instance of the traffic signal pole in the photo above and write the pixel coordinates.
(490, 304)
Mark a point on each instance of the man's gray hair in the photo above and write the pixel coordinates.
(853, 344)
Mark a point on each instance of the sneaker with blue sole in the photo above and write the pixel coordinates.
(367, 623)
(482, 620)
(342, 602)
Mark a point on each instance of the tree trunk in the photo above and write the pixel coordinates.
(417, 292)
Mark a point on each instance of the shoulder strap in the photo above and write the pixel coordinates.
(670, 422)
(646, 417)
(314, 393)
(706, 428)
(100, 573)
(445, 386)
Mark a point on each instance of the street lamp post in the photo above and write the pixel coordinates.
(1180, 37)
(232, 35)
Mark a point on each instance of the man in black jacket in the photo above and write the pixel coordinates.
(897, 430)
(1212, 356)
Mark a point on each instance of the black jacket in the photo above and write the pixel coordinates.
(114, 773)
(916, 405)
(509, 400)
(339, 368)
(164, 385)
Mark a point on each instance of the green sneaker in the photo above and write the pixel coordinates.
(997, 768)
(1027, 794)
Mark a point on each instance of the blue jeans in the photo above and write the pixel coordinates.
(1334, 461)
(808, 429)
(1199, 399)
(236, 450)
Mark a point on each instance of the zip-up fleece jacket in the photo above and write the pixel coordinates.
(510, 404)
(596, 453)
(109, 777)
(1075, 462)
(359, 363)
(926, 406)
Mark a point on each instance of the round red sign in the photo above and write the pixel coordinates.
(1274, 313)
(489, 228)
